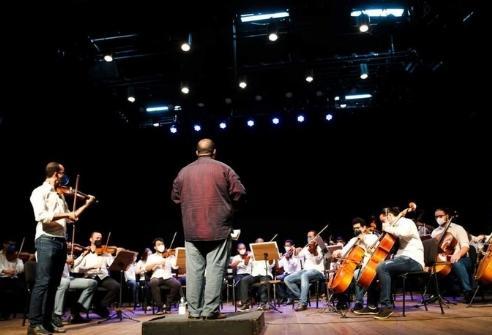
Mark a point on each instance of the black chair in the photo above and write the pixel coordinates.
(430, 276)
(30, 277)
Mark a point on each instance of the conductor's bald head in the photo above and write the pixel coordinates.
(205, 147)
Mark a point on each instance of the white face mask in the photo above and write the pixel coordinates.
(287, 249)
(242, 252)
(160, 248)
(440, 221)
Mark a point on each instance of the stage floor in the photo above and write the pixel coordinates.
(458, 319)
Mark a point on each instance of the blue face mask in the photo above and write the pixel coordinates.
(10, 248)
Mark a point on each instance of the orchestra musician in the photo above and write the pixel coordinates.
(88, 287)
(94, 263)
(11, 286)
(289, 263)
(365, 239)
(460, 260)
(243, 265)
(311, 257)
(52, 214)
(161, 263)
(408, 258)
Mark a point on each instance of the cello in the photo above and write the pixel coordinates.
(381, 250)
(345, 272)
(447, 243)
(484, 270)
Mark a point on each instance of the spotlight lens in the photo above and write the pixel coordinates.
(273, 37)
(131, 99)
(300, 118)
(242, 84)
(364, 76)
(275, 120)
(173, 129)
(250, 123)
(364, 28)
(329, 117)
(222, 125)
(108, 58)
(309, 79)
(185, 90)
(185, 47)
(197, 127)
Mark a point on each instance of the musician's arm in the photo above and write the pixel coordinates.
(403, 229)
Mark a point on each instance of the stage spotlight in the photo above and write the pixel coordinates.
(309, 76)
(222, 125)
(364, 72)
(186, 46)
(275, 120)
(363, 22)
(272, 32)
(173, 129)
(260, 16)
(197, 127)
(130, 93)
(156, 124)
(250, 123)
(185, 89)
(300, 118)
(108, 58)
(243, 84)
(329, 117)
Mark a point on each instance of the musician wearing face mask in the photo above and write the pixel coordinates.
(461, 262)
(313, 270)
(364, 238)
(95, 266)
(243, 265)
(161, 266)
(11, 286)
(290, 263)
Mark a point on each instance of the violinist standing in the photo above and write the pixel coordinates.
(311, 258)
(11, 287)
(161, 264)
(207, 191)
(52, 214)
(461, 262)
(94, 263)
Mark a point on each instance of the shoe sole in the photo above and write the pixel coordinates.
(377, 317)
(365, 313)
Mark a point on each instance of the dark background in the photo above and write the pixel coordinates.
(424, 138)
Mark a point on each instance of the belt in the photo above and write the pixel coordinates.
(54, 238)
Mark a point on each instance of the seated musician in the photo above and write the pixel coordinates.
(161, 264)
(259, 273)
(461, 262)
(408, 258)
(365, 239)
(11, 286)
(88, 287)
(311, 259)
(290, 264)
(243, 265)
(131, 280)
(95, 266)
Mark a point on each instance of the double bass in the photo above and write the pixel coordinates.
(484, 269)
(381, 250)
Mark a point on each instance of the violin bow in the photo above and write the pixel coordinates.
(274, 237)
(21, 246)
(73, 210)
(107, 241)
(322, 230)
(172, 241)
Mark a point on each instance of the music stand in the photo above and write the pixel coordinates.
(123, 259)
(267, 251)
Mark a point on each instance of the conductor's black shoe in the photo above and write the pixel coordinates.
(215, 316)
(37, 330)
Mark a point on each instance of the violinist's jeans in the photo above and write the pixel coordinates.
(88, 287)
(303, 277)
(462, 270)
(205, 259)
(386, 269)
(51, 254)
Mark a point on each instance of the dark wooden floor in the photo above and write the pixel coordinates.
(458, 319)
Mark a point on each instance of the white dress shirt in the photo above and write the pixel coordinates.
(290, 265)
(46, 204)
(409, 239)
(163, 271)
(93, 265)
(242, 268)
(17, 264)
(310, 261)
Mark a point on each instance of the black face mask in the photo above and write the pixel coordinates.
(64, 180)
(10, 249)
(98, 243)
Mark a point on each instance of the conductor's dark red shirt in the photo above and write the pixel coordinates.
(207, 190)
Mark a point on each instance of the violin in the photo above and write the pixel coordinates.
(105, 249)
(69, 191)
(169, 252)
